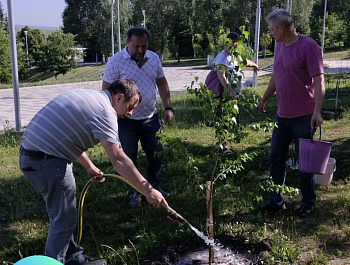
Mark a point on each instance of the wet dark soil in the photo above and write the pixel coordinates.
(194, 251)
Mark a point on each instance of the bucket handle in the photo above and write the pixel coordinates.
(334, 168)
(313, 131)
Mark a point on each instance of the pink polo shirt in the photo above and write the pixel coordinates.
(294, 67)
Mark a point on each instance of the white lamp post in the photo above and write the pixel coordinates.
(119, 43)
(324, 26)
(257, 36)
(111, 3)
(15, 80)
(144, 18)
(26, 35)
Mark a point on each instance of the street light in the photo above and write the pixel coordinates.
(119, 43)
(111, 3)
(324, 26)
(144, 18)
(257, 36)
(26, 35)
(14, 66)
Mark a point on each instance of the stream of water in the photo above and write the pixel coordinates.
(222, 255)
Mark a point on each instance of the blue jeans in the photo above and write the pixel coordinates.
(133, 131)
(283, 134)
(53, 178)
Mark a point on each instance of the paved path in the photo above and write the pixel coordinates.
(32, 99)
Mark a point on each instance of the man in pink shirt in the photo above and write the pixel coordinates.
(298, 81)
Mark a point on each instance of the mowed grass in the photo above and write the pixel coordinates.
(111, 229)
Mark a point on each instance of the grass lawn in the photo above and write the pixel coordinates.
(127, 236)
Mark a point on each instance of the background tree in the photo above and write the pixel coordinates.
(90, 22)
(265, 42)
(5, 56)
(340, 7)
(36, 39)
(157, 20)
(234, 15)
(335, 33)
(208, 18)
(2, 15)
(57, 54)
(169, 23)
(174, 22)
(301, 13)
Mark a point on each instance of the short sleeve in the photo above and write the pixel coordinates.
(221, 58)
(313, 58)
(104, 126)
(160, 72)
(111, 72)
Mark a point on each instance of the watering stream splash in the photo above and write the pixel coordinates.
(222, 255)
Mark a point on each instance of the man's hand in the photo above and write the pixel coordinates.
(155, 198)
(316, 120)
(95, 174)
(260, 108)
(168, 116)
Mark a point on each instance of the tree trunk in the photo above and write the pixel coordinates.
(210, 219)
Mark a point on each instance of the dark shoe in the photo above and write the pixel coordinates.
(135, 200)
(304, 211)
(96, 262)
(164, 193)
(272, 210)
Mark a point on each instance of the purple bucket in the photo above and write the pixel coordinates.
(313, 155)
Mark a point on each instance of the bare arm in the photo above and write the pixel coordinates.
(319, 97)
(125, 167)
(271, 89)
(223, 80)
(164, 93)
(95, 173)
(105, 85)
(253, 65)
(222, 77)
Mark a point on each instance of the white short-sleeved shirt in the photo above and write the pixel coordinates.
(120, 65)
(224, 59)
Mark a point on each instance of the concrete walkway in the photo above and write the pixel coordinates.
(32, 99)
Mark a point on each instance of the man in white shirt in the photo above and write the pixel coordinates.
(144, 67)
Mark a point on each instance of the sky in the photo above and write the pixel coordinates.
(45, 13)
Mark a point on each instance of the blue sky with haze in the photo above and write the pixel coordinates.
(46, 13)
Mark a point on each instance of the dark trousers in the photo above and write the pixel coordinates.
(283, 134)
(133, 131)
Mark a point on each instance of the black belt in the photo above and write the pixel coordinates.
(35, 154)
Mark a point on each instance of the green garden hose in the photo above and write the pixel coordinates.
(82, 198)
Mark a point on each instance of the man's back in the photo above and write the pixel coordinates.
(71, 123)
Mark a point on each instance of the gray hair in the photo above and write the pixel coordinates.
(126, 87)
(280, 17)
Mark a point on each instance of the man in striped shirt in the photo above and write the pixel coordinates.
(58, 135)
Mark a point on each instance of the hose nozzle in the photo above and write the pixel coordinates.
(178, 216)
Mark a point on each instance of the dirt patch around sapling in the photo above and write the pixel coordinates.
(233, 251)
